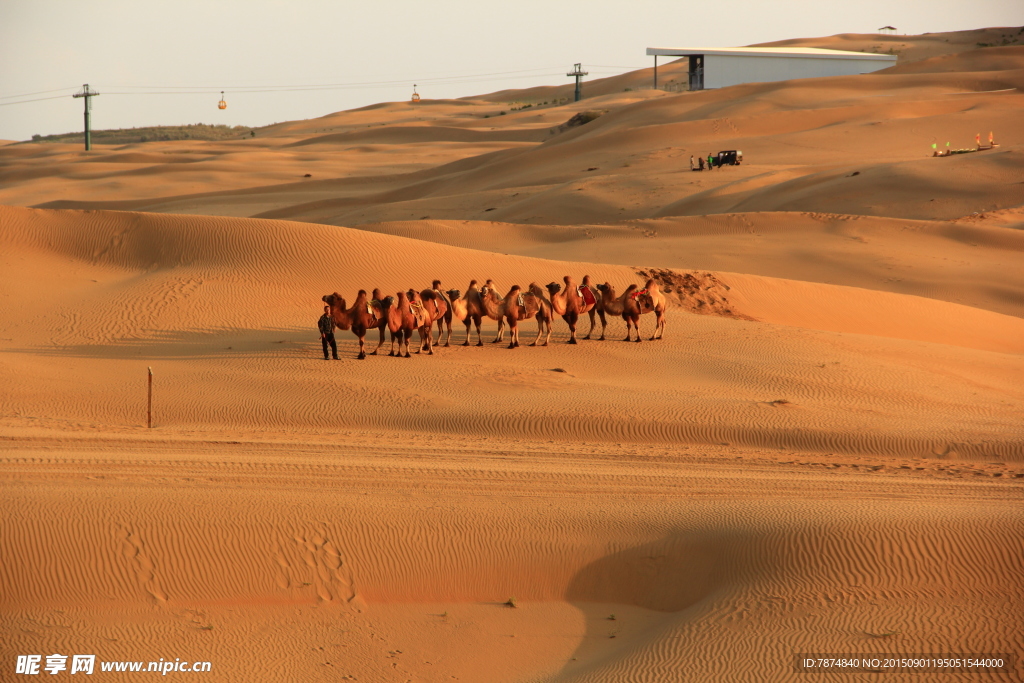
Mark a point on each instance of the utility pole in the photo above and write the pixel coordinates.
(579, 73)
(88, 95)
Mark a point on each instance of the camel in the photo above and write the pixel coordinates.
(459, 309)
(490, 305)
(377, 304)
(649, 299)
(360, 318)
(392, 320)
(623, 306)
(446, 317)
(569, 304)
(598, 307)
(475, 312)
(425, 308)
(469, 310)
(411, 318)
(523, 306)
(436, 306)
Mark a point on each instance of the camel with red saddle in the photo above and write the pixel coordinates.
(573, 302)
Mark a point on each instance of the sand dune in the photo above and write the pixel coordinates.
(191, 289)
(824, 453)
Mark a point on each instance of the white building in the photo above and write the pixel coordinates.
(724, 66)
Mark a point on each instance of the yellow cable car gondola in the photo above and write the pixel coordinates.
(222, 104)
(415, 95)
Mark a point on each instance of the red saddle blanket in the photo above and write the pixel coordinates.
(586, 294)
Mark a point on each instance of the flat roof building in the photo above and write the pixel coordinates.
(720, 67)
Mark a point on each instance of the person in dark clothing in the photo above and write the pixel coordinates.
(326, 325)
(701, 160)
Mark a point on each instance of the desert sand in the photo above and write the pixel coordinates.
(824, 454)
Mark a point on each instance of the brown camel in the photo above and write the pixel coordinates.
(446, 318)
(473, 312)
(490, 305)
(459, 309)
(393, 322)
(436, 306)
(598, 307)
(424, 308)
(411, 318)
(523, 306)
(652, 299)
(469, 309)
(569, 304)
(378, 306)
(360, 318)
(623, 306)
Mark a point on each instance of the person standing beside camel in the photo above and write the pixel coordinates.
(326, 325)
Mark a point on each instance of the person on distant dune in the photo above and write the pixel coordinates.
(701, 160)
(326, 326)
(711, 162)
(691, 163)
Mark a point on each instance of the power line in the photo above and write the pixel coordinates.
(38, 92)
(55, 97)
(402, 81)
(356, 85)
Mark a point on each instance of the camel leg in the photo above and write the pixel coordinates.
(540, 330)
(548, 337)
(379, 343)
(429, 338)
(362, 345)
(406, 336)
(604, 324)
(501, 332)
(591, 313)
(479, 335)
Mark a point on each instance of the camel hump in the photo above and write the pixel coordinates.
(428, 295)
(586, 280)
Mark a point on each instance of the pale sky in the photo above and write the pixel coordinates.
(376, 50)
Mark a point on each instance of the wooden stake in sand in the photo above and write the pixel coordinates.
(149, 409)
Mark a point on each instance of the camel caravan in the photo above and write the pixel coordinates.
(413, 311)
